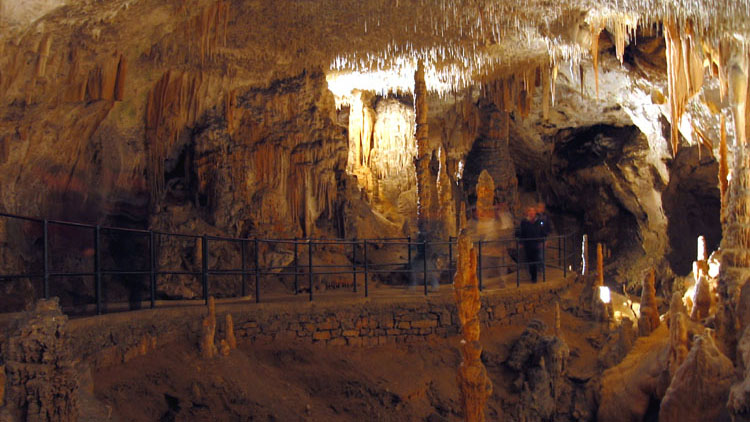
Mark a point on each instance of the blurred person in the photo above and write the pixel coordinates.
(531, 236)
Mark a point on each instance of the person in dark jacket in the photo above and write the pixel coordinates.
(531, 235)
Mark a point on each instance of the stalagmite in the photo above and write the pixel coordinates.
(231, 339)
(649, 318)
(701, 299)
(558, 331)
(427, 205)
(208, 333)
(485, 196)
(678, 338)
(474, 384)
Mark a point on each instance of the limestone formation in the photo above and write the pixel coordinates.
(473, 381)
(585, 255)
(700, 387)
(42, 383)
(739, 395)
(678, 341)
(649, 319)
(599, 265)
(231, 339)
(627, 388)
(208, 331)
(485, 196)
(701, 299)
(540, 362)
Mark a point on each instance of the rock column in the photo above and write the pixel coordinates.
(474, 384)
(427, 195)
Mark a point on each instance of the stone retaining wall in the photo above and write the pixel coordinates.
(115, 338)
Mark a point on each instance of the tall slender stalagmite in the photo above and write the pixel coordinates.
(649, 318)
(427, 197)
(473, 382)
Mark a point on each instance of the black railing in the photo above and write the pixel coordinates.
(150, 258)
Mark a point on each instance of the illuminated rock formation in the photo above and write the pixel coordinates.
(649, 319)
(678, 337)
(474, 384)
(208, 331)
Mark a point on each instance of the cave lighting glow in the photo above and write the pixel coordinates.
(399, 78)
(604, 294)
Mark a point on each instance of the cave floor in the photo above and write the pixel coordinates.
(292, 381)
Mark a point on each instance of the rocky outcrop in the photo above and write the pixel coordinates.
(540, 362)
(42, 384)
(627, 389)
(700, 387)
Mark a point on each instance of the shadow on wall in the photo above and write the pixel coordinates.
(692, 205)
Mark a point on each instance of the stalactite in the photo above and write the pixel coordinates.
(230, 103)
(474, 384)
(596, 30)
(208, 29)
(43, 55)
(738, 86)
(122, 71)
(546, 91)
(723, 165)
(173, 104)
(684, 74)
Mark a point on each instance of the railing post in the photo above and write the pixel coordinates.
(310, 267)
(564, 258)
(243, 267)
(98, 270)
(296, 266)
(354, 264)
(518, 264)
(364, 256)
(257, 272)
(46, 259)
(544, 260)
(450, 258)
(204, 265)
(479, 264)
(424, 265)
(152, 267)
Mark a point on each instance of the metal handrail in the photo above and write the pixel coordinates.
(360, 264)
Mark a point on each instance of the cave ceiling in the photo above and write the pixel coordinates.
(462, 41)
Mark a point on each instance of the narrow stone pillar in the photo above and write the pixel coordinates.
(474, 384)
(649, 319)
(427, 196)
